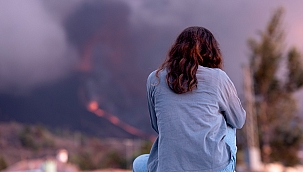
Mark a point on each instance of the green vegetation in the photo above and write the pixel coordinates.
(88, 160)
(145, 149)
(84, 160)
(21, 142)
(113, 160)
(35, 138)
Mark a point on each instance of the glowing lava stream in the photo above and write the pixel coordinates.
(86, 67)
(94, 108)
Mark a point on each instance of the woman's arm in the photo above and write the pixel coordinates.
(230, 104)
(150, 100)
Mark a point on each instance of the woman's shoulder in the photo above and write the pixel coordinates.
(156, 77)
(157, 74)
(152, 75)
(214, 71)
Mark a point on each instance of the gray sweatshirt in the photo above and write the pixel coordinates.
(191, 126)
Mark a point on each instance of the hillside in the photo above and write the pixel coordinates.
(60, 105)
(23, 142)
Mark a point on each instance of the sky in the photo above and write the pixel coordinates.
(43, 42)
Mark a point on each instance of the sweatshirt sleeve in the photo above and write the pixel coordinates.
(150, 100)
(230, 105)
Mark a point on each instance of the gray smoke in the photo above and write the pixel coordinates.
(44, 41)
(232, 23)
(33, 46)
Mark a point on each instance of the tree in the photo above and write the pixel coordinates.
(278, 121)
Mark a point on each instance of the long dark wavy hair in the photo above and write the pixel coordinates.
(193, 47)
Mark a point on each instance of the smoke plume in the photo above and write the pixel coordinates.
(110, 46)
(33, 47)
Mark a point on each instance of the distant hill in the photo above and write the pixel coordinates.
(59, 106)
